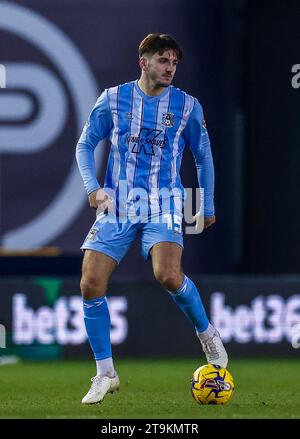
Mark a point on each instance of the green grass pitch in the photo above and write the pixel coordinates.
(150, 389)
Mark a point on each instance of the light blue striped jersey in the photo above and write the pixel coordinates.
(148, 135)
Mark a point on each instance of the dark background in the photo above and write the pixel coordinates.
(238, 60)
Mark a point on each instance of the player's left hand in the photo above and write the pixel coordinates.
(203, 222)
(209, 221)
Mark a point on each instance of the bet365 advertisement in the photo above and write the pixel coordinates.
(43, 318)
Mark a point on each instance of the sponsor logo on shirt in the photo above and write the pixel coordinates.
(146, 140)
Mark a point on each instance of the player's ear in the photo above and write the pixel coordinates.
(143, 61)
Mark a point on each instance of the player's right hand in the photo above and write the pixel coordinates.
(100, 200)
(203, 222)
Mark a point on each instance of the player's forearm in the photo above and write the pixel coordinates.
(86, 164)
(206, 179)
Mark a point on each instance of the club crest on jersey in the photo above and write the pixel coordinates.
(92, 235)
(168, 120)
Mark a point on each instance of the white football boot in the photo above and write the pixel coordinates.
(214, 350)
(101, 385)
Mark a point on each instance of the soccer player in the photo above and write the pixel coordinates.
(148, 122)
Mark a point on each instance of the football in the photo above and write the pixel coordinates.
(212, 384)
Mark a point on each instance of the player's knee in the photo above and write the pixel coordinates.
(170, 280)
(92, 287)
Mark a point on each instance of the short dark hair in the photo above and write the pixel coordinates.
(153, 43)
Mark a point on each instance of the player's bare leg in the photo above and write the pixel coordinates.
(166, 262)
(97, 269)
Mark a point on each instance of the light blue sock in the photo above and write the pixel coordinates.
(188, 299)
(97, 325)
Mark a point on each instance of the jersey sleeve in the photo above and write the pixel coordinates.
(196, 136)
(97, 127)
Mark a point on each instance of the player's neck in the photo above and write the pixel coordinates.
(149, 88)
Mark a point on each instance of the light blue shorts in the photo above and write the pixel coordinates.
(114, 238)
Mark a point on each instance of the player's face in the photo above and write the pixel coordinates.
(161, 68)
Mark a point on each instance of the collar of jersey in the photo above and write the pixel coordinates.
(150, 98)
